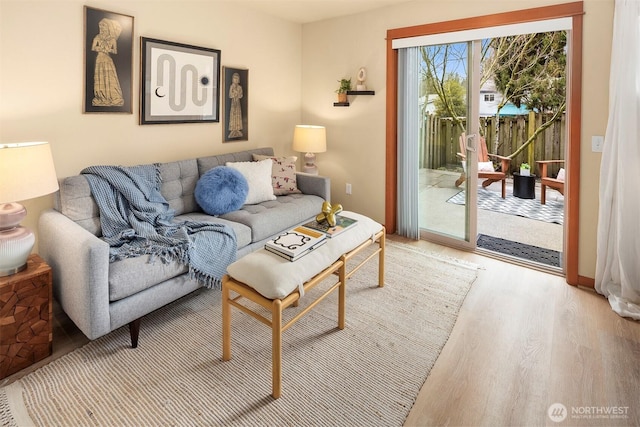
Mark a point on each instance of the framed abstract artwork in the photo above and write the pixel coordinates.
(108, 62)
(236, 104)
(180, 83)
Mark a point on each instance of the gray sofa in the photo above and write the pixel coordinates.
(100, 296)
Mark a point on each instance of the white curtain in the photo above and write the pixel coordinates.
(408, 138)
(618, 256)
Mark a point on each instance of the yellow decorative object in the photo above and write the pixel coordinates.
(329, 213)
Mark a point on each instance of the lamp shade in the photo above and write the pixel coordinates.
(26, 171)
(309, 139)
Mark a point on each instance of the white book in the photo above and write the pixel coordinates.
(296, 242)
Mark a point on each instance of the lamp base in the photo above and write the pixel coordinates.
(309, 164)
(16, 241)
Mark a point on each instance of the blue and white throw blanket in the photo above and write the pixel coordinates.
(136, 220)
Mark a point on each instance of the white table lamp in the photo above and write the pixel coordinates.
(26, 172)
(310, 139)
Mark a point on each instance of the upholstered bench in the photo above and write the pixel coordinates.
(274, 283)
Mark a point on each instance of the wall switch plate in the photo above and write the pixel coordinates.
(597, 142)
(348, 189)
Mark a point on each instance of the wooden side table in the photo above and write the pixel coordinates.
(26, 317)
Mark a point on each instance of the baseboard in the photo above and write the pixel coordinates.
(586, 281)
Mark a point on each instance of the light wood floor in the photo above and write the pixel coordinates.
(524, 340)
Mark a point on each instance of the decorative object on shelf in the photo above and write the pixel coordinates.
(310, 139)
(108, 62)
(345, 85)
(168, 96)
(26, 172)
(329, 213)
(362, 76)
(525, 169)
(236, 104)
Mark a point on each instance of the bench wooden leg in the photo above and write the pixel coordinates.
(226, 322)
(342, 294)
(276, 348)
(382, 243)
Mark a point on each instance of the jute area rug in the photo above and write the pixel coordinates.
(365, 375)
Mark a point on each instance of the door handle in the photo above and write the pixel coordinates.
(471, 142)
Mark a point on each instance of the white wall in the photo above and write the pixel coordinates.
(337, 48)
(41, 82)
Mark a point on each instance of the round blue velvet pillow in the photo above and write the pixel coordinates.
(221, 189)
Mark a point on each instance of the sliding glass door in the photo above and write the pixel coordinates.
(448, 140)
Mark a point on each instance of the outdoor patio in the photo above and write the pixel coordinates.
(438, 186)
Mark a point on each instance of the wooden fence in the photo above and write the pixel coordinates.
(440, 141)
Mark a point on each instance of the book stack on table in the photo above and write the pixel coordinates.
(298, 242)
(342, 224)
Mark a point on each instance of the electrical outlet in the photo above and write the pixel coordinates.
(348, 189)
(596, 143)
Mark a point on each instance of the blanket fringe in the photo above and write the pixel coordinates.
(207, 281)
(166, 254)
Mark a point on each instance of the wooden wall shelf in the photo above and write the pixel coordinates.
(354, 92)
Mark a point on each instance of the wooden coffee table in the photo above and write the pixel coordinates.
(275, 283)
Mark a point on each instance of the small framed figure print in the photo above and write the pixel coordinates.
(180, 83)
(108, 62)
(236, 103)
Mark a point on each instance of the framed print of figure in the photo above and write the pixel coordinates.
(108, 62)
(236, 103)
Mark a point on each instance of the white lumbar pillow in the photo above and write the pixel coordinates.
(485, 167)
(258, 176)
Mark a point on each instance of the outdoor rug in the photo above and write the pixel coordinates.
(552, 211)
(520, 250)
(367, 374)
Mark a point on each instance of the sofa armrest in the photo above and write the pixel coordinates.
(314, 184)
(80, 264)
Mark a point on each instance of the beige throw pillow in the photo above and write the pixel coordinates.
(283, 174)
(485, 167)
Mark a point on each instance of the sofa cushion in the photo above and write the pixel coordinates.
(243, 233)
(258, 175)
(274, 216)
(283, 174)
(221, 190)
(179, 184)
(132, 275)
